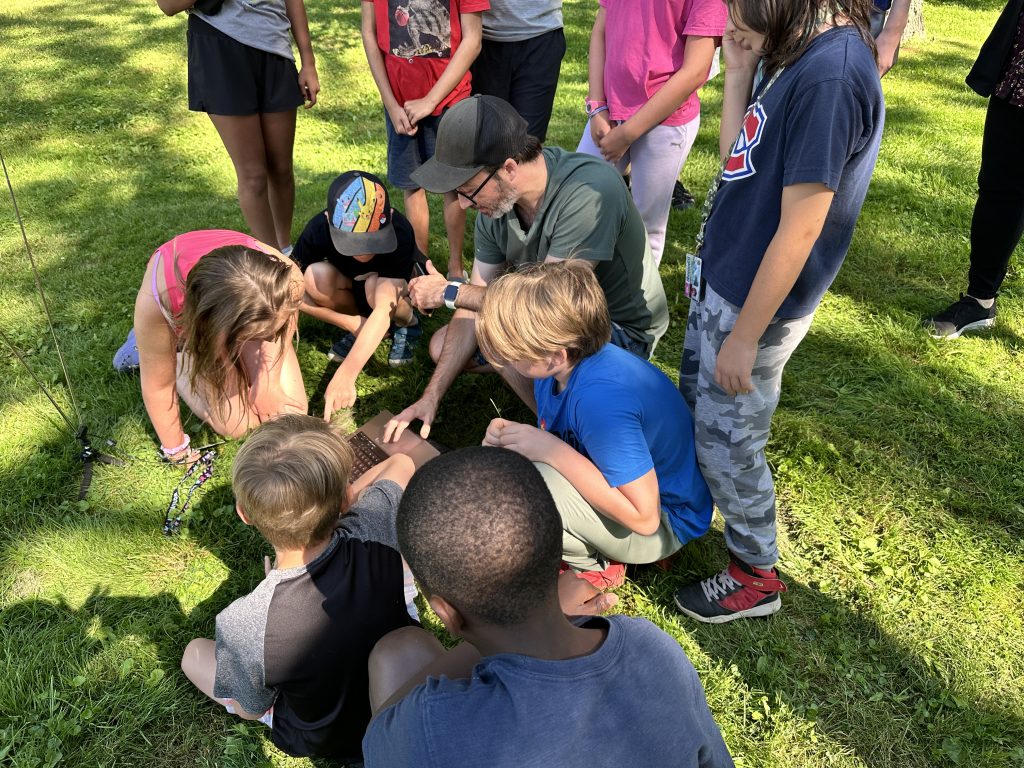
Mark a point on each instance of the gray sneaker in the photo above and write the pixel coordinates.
(966, 314)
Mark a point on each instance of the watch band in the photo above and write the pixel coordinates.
(451, 293)
(593, 106)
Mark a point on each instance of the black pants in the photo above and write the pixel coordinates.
(999, 213)
(523, 73)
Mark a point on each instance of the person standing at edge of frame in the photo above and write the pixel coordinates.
(241, 72)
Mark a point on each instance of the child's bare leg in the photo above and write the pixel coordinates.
(418, 214)
(437, 344)
(242, 136)
(279, 140)
(230, 420)
(330, 297)
(579, 597)
(391, 290)
(199, 663)
(455, 226)
(396, 658)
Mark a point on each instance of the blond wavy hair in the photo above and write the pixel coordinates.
(541, 309)
(291, 477)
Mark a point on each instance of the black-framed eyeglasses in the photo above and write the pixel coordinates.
(472, 195)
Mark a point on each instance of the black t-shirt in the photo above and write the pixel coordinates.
(301, 640)
(314, 244)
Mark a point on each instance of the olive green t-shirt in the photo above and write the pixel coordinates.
(587, 213)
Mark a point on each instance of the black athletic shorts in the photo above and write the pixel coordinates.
(523, 73)
(226, 77)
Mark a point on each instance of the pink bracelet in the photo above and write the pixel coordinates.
(168, 452)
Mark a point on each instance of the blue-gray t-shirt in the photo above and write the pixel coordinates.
(636, 700)
(821, 122)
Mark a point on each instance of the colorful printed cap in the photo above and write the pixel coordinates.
(359, 211)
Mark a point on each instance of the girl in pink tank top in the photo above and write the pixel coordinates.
(214, 322)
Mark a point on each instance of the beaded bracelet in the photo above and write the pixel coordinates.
(168, 452)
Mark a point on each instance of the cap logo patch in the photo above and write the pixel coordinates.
(360, 207)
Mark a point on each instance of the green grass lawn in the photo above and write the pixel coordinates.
(898, 459)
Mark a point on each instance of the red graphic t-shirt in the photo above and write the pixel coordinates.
(418, 38)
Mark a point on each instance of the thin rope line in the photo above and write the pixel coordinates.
(42, 295)
(17, 353)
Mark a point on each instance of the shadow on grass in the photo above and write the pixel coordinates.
(82, 672)
(825, 665)
(919, 424)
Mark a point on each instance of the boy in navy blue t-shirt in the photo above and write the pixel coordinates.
(625, 481)
(798, 159)
(528, 686)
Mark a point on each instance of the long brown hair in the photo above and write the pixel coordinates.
(789, 26)
(233, 295)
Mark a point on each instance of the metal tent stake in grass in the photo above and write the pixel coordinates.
(88, 455)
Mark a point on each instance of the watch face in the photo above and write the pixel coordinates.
(450, 292)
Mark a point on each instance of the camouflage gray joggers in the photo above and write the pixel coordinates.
(731, 432)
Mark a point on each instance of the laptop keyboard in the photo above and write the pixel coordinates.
(366, 454)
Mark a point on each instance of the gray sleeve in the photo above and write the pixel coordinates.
(372, 517)
(241, 629)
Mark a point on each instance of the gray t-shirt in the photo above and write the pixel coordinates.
(587, 213)
(635, 701)
(260, 24)
(510, 21)
(300, 641)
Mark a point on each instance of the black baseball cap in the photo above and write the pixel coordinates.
(359, 214)
(477, 132)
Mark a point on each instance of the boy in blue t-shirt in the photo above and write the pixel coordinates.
(624, 477)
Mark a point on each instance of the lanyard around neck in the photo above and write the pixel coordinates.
(709, 201)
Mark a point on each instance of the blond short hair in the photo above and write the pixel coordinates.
(541, 309)
(291, 478)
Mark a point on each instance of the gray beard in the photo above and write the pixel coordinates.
(505, 204)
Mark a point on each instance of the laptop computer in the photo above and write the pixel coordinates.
(369, 448)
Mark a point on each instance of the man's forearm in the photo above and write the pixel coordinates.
(471, 297)
(459, 345)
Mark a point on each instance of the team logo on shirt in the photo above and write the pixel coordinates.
(740, 164)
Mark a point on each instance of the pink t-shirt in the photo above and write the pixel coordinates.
(643, 44)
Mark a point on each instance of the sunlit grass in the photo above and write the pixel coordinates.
(897, 458)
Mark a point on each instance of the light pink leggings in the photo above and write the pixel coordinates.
(654, 160)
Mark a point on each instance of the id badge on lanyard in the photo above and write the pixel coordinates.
(693, 285)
